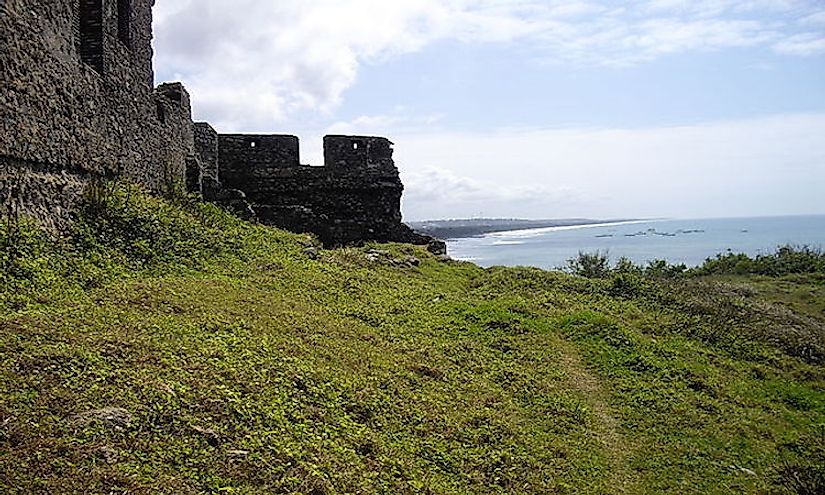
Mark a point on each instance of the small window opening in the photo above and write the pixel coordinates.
(161, 111)
(253, 144)
(91, 33)
(355, 146)
(124, 21)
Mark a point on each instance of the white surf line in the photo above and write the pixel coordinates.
(542, 230)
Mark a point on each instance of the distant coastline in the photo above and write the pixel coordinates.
(676, 241)
(474, 227)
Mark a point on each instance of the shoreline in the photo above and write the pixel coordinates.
(450, 230)
(676, 240)
(559, 228)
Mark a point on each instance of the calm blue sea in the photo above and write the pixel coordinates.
(677, 241)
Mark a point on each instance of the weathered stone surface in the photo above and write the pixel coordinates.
(355, 197)
(112, 417)
(77, 104)
(49, 194)
(206, 147)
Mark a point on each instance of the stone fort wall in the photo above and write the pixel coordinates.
(355, 196)
(77, 102)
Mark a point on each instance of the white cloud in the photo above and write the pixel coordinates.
(446, 190)
(805, 44)
(815, 19)
(764, 166)
(712, 8)
(401, 121)
(255, 64)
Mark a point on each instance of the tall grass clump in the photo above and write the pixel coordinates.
(120, 220)
(119, 231)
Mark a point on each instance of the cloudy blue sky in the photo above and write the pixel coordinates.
(529, 108)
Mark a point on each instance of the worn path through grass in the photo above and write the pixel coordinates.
(171, 349)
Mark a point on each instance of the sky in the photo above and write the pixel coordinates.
(529, 108)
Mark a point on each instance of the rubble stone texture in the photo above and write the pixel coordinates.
(78, 104)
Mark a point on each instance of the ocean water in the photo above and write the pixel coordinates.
(677, 241)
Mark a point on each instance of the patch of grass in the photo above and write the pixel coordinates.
(244, 366)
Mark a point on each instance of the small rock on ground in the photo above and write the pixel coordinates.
(210, 435)
(113, 417)
(312, 253)
(107, 454)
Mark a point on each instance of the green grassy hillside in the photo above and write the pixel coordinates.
(170, 348)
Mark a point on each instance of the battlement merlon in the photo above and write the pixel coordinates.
(358, 152)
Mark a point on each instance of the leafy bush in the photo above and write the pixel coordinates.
(628, 285)
(28, 262)
(597, 265)
(148, 231)
(626, 265)
(785, 261)
(590, 265)
(663, 269)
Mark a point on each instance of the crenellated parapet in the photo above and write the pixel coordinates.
(358, 152)
(355, 196)
(78, 104)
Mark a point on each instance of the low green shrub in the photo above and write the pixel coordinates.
(786, 260)
(590, 265)
(802, 470)
(597, 265)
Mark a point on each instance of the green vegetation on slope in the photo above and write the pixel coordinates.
(170, 348)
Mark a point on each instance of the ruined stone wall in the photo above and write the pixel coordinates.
(355, 197)
(362, 152)
(206, 146)
(341, 207)
(77, 102)
(246, 159)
